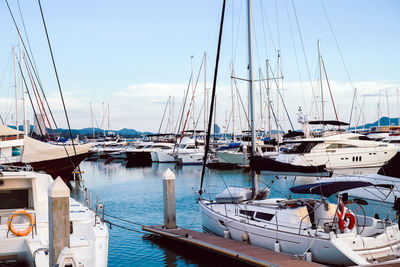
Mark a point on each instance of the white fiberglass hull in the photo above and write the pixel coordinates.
(232, 157)
(347, 158)
(327, 248)
(165, 156)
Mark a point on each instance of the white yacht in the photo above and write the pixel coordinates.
(240, 156)
(345, 150)
(329, 233)
(24, 239)
(189, 152)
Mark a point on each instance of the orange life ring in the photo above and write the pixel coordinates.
(342, 223)
(352, 220)
(18, 213)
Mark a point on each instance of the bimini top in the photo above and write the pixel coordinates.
(329, 188)
(329, 122)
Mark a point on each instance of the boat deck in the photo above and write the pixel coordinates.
(239, 251)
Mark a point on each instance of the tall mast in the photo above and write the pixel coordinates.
(398, 110)
(205, 93)
(320, 78)
(194, 121)
(278, 94)
(261, 103)
(251, 88)
(233, 104)
(108, 119)
(23, 87)
(91, 117)
(269, 101)
(16, 89)
(251, 93)
(387, 104)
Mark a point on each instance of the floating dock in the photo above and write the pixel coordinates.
(236, 250)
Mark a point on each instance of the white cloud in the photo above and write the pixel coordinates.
(141, 106)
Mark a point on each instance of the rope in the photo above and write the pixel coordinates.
(37, 101)
(56, 73)
(207, 145)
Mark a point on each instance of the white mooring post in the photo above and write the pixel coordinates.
(59, 228)
(169, 199)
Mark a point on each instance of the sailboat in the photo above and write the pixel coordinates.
(329, 233)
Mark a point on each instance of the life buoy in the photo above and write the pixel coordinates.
(18, 213)
(342, 223)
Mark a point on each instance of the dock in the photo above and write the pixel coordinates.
(236, 250)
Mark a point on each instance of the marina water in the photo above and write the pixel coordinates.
(135, 194)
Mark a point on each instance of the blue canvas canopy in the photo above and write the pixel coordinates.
(329, 188)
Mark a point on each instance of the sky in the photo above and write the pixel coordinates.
(133, 55)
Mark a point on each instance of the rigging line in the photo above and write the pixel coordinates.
(191, 101)
(340, 53)
(295, 55)
(207, 145)
(37, 101)
(268, 27)
(275, 119)
(179, 122)
(263, 27)
(330, 91)
(237, 31)
(165, 110)
(29, 95)
(34, 87)
(26, 34)
(241, 101)
(304, 54)
(56, 73)
(61, 94)
(32, 65)
(337, 44)
(277, 25)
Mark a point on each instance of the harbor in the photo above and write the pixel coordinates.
(212, 133)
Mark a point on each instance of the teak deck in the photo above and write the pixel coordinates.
(227, 247)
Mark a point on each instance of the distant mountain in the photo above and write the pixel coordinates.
(383, 121)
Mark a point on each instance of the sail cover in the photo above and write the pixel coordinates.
(7, 131)
(328, 188)
(35, 150)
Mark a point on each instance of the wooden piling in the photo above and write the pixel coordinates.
(169, 199)
(59, 226)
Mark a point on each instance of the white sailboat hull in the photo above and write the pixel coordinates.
(347, 249)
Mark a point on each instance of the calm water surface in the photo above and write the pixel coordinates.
(136, 194)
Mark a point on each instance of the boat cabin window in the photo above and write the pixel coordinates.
(16, 151)
(248, 213)
(335, 146)
(14, 199)
(264, 216)
(148, 146)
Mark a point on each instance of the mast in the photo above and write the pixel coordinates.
(205, 93)
(261, 103)
(194, 121)
(398, 110)
(16, 89)
(320, 78)
(251, 93)
(23, 86)
(233, 104)
(387, 104)
(251, 88)
(108, 119)
(277, 94)
(269, 101)
(91, 117)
